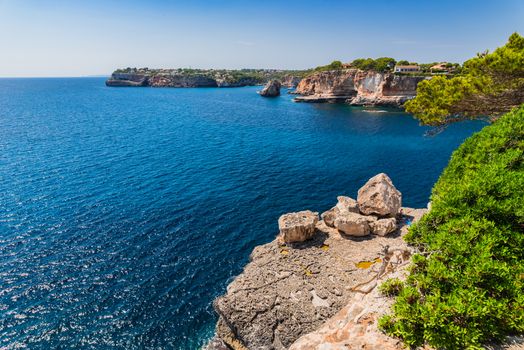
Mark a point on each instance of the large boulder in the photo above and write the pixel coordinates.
(383, 227)
(379, 196)
(297, 227)
(329, 217)
(352, 224)
(271, 89)
(346, 205)
(343, 206)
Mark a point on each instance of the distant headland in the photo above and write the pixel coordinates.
(382, 81)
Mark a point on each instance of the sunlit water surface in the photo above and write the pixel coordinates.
(125, 211)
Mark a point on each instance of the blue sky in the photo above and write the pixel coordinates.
(77, 38)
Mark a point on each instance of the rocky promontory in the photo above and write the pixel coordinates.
(314, 270)
(184, 78)
(358, 87)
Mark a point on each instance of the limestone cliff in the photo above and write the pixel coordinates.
(182, 78)
(358, 87)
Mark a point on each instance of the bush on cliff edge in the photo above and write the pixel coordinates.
(466, 287)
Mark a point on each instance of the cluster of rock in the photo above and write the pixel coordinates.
(295, 284)
(374, 212)
(271, 89)
(358, 87)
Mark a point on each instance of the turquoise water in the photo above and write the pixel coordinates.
(125, 211)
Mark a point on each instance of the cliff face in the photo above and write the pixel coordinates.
(187, 77)
(330, 85)
(358, 87)
(290, 81)
(128, 79)
(160, 80)
(181, 81)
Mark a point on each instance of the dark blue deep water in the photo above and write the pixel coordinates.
(125, 211)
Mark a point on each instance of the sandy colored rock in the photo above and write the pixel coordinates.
(355, 326)
(285, 293)
(271, 89)
(358, 87)
(329, 217)
(379, 196)
(352, 224)
(346, 205)
(297, 227)
(383, 227)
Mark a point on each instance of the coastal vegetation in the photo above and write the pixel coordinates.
(488, 86)
(259, 76)
(466, 286)
(387, 64)
(381, 64)
(335, 65)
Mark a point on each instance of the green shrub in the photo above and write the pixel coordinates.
(467, 288)
(335, 65)
(391, 287)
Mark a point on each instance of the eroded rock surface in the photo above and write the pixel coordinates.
(355, 326)
(297, 227)
(286, 292)
(358, 87)
(383, 227)
(379, 196)
(271, 89)
(352, 224)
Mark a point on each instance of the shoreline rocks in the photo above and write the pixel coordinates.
(379, 197)
(296, 283)
(271, 89)
(297, 227)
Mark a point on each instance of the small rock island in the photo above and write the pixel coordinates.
(271, 89)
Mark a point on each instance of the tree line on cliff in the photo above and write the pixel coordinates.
(466, 284)
(488, 86)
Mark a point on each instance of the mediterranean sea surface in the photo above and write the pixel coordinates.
(125, 211)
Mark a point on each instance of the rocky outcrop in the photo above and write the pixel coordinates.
(290, 81)
(352, 224)
(358, 87)
(355, 327)
(379, 197)
(286, 292)
(160, 80)
(128, 79)
(383, 227)
(297, 227)
(313, 269)
(271, 89)
(329, 86)
(182, 77)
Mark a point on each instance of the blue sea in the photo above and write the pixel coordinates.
(125, 211)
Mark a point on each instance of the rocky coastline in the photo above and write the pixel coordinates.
(352, 86)
(318, 271)
(190, 78)
(357, 87)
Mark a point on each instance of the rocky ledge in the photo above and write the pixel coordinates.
(358, 87)
(314, 270)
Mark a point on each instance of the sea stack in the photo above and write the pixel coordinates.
(271, 89)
